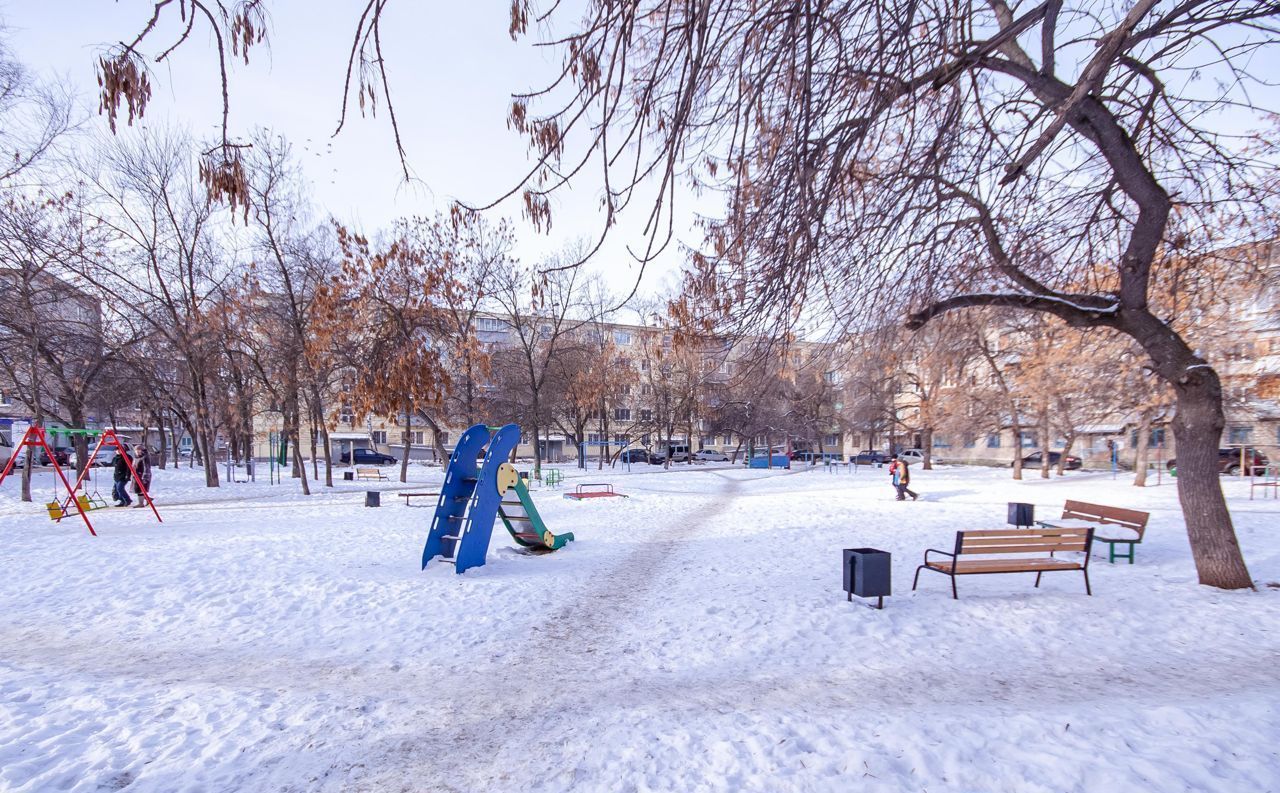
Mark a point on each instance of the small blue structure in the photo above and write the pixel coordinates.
(762, 461)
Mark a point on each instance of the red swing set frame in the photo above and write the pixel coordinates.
(35, 436)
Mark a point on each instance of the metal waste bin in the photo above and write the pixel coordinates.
(867, 573)
(372, 498)
(349, 475)
(1022, 514)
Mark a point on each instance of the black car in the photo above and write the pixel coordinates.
(1033, 460)
(60, 453)
(369, 457)
(639, 456)
(872, 457)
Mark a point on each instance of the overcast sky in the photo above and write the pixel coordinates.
(453, 69)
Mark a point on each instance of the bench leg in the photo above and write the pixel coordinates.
(1087, 589)
(1038, 578)
(954, 596)
(917, 578)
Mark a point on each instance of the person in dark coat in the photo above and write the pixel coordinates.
(120, 477)
(141, 467)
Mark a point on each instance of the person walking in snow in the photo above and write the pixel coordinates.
(901, 474)
(120, 479)
(142, 480)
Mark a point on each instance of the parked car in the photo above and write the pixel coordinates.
(107, 454)
(639, 456)
(912, 456)
(369, 457)
(60, 453)
(872, 457)
(1229, 461)
(710, 456)
(1033, 460)
(816, 457)
(678, 453)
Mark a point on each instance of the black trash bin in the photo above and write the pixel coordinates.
(867, 573)
(349, 475)
(372, 498)
(1022, 514)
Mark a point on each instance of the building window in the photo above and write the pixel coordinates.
(443, 438)
(622, 338)
(646, 415)
(970, 441)
(544, 332)
(831, 440)
(619, 438)
(490, 324)
(1059, 443)
(728, 440)
(1239, 436)
(993, 440)
(622, 414)
(829, 378)
(593, 437)
(1028, 440)
(346, 415)
(1155, 438)
(645, 390)
(940, 442)
(624, 390)
(379, 436)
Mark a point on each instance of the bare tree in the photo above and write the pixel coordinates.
(541, 316)
(879, 156)
(166, 272)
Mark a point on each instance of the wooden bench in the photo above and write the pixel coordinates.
(1130, 520)
(407, 496)
(371, 474)
(1043, 543)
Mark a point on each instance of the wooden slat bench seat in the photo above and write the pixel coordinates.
(1035, 549)
(1121, 526)
(407, 496)
(371, 474)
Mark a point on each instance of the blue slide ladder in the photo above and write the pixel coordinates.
(482, 510)
(448, 526)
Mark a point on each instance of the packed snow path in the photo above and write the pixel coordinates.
(694, 638)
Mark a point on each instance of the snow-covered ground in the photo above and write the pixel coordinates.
(695, 637)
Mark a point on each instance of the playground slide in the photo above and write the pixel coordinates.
(459, 485)
(483, 508)
(473, 497)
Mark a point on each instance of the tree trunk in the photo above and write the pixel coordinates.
(29, 460)
(408, 440)
(298, 464)
(1017, 449)
(328, 456)
(1140, 449)
(1197, 427)
(1066, 449)
(164, 441)
(926, 447)
(1045, 465)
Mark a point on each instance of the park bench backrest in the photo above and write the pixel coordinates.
(1022, 541)
(1128, 518)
